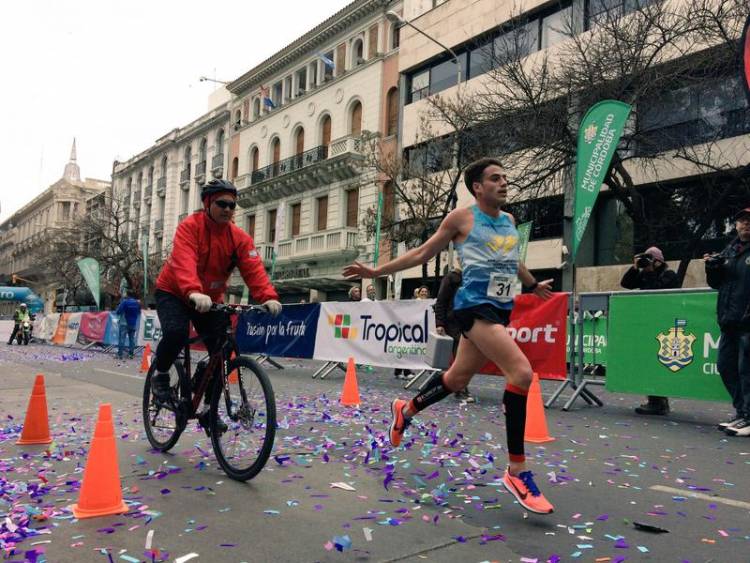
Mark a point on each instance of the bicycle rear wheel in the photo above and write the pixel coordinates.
(162, 423)
(245, 404)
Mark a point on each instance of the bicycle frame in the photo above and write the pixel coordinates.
(218, 362)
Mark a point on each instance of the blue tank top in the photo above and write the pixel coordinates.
(489, 259)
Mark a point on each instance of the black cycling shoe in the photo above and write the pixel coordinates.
(160, 387)
(203, 420)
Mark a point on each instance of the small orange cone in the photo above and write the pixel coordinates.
(350, 394)
(146, 361)
(36, 425)
(233, 377)
(536, 421)
(101, 493)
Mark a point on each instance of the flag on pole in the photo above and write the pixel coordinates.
(328, 62)
(280, 224)
(90, 271)
(524, 233)
(266, 95)
(598, 135)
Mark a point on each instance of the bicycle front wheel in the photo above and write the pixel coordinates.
(163, 424)
(243, 419)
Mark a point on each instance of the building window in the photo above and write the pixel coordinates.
(300, 78)
(556, 27)
(352, 207)
(481, 58)
(202, 151)
(219, 148)
(254, 159)
(276, 93)
(322, 212)
(272, 226)
(599, 11)
(287, 89)
(356, 129)
(358, 53)
(313, 69)
(275, 151)
(429, 157)
(420, 85)
(299, 141)
(250, 225)
(188, 164)
(164, 167)
(296, 218)
(395, 36)
(389, 201)
(325, 131)
(391, 126)
(256, 108)
(237, 120)
(235, 168)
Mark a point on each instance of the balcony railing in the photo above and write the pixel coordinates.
(217, 161)
(200, 171)
(185, 178)
(296, 162)
(327, 242)
(161, 186)
(147, 192)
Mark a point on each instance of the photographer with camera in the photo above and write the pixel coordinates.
(729, 272)
(649, 271)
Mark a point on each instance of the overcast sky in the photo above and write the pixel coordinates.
(118, 75)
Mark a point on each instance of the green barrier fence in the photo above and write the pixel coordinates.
(664, 345)
(594, 341)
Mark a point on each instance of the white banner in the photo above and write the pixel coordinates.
(45, 329)
(382, 333)
(71, 330)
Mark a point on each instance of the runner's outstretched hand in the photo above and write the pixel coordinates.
(544, 289)
(358, 270)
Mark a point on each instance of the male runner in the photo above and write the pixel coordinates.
(487, 243)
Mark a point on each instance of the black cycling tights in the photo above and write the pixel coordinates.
(175, 316)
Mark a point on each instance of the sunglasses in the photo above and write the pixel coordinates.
(224, 204)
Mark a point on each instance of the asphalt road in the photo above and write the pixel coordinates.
(437, 498)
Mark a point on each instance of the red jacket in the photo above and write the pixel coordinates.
(202, 255)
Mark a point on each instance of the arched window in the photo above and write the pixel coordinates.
(325, 131)
(219, 142)
(237, 119)
(356, 128)
(188, 158)
(358, 53)
(202, 151)
(391, 112)
(256, 108)
(235, 167)
(275, 156)
(164, 167)
(150, 175)
(254, 159)
(299, 140)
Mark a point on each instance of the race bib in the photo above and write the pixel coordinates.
(502, 287)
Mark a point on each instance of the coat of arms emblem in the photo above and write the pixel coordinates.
(676, 346)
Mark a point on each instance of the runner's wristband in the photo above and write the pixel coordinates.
(533, 286)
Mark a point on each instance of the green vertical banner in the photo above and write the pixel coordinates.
(671, 351)
(90, 271)
(378, 218)
(598, 135)
(524, 233)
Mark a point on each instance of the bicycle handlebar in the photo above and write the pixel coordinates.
(237, 309)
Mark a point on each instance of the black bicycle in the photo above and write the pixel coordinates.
(242, 408)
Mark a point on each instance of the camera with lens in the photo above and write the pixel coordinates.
(643, 260)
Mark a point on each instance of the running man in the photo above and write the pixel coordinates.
(487, 242)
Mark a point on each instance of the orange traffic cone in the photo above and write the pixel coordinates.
(350, 394)
(101, 494)
(536, 421)
(233, 377)
(36, 425)
(146, 361)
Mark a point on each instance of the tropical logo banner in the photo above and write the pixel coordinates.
(598, 135)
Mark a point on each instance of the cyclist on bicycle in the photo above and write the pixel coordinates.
(207, 246)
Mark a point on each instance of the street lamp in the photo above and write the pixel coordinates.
(394, 18)
(206, 78)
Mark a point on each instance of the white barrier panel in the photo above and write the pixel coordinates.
(149, 328)
(45, 329)
(382, 333)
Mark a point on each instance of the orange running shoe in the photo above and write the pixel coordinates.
(399, 422)
(526, 492)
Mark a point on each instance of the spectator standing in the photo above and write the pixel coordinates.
(729, 272)
(128, 312)
(446, 323)
(649, 271)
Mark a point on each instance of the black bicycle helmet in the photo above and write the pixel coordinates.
(217, 187)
